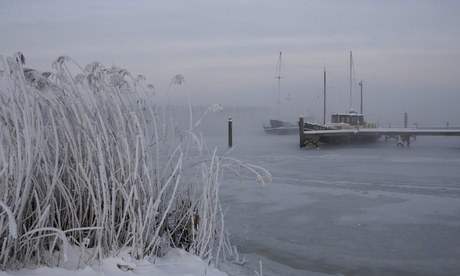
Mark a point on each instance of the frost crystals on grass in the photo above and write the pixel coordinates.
(92, 161)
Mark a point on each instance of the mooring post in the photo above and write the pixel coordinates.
(301, 126)
(405, 120)
(230, 130)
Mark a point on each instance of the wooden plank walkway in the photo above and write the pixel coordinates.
(402, 135)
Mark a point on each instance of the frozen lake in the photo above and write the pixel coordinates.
(371, 209)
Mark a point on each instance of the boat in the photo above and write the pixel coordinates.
(278, 126)
(351, 119)
(309, 126)
(347, 120)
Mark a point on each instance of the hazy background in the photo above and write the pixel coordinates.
(406, 52)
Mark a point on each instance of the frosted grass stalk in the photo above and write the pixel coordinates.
(92, 155)
(11, 222)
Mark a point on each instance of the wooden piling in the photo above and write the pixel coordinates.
(301, 130)
(230, 132)
(405, 119)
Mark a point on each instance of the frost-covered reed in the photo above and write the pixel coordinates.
(91, 161)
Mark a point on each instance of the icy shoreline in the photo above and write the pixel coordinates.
(176, 262)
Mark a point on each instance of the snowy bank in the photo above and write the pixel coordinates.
(176, 262)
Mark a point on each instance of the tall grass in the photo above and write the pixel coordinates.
(92, 161)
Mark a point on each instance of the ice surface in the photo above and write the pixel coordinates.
(347, 210)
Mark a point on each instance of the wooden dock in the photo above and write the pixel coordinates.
(402, 135)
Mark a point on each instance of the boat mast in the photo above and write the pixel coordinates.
(351, 80)
(324, 115)
(361, 84)
(279, 87)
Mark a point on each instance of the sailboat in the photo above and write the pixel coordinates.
(351, 119)
(277, 126)
(309, 126)
(347, 120)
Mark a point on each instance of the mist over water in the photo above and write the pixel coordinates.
(343, 210)
(337, 210)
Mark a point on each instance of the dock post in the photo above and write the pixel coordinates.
(405, 120)
(301, 126)
(230, 132)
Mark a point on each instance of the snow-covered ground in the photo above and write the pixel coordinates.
(176, 262)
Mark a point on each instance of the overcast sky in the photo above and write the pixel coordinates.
(407, 53)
